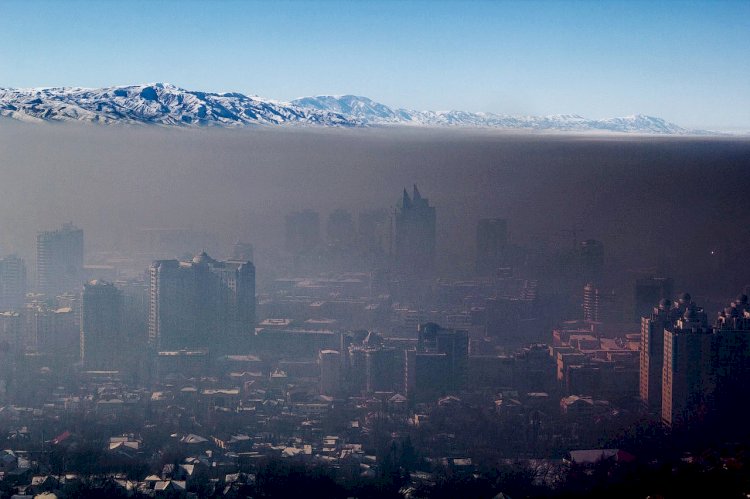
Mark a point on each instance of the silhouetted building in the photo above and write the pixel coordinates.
(492, 244)
(439, 365)
(102, 335)
(59, 259)
(415, 234)
(12, 283)
(330, 372)
(203, 303)
(373, 366)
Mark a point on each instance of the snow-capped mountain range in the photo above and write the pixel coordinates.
(168, 105)
(371, 112)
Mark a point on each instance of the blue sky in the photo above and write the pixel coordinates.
(687, 62)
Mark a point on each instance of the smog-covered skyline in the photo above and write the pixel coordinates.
(646, 198)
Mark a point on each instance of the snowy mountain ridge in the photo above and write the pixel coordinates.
(374, 113)
(158, 103)
(168, 105)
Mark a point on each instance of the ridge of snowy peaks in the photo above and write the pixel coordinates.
(374, 113)
(168, 105)
(157, 103)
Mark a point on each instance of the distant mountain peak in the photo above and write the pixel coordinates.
(166, 104)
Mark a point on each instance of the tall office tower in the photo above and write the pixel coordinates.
(102, 339)
(415, 234)
(302, 231)
(589, 302)
(649, 291)
(203, 303)
(59, 259)
(599, 306)
(330, 372)
(12, 283)
(652, 353)
(340, 230)
(374, 367)
(591, 261)
(441, 361)
(688, 379)
(492, 245)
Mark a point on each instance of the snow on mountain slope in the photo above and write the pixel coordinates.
(168, 105)
(374, 113)
(157, 103)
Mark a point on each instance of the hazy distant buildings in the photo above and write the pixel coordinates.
(492, 245)
(340, 230)
(59, 259)
(302, 231)
(12, 283)
(242, 252)
(203, 303)
(374, 233)
(51, 330)
(102, 335)
(415, 234)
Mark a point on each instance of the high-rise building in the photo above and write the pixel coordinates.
(12, 283)
(652, 353)
(102, 337)
(415, 234)
(203, 303)
(687, 377)
(302, 231)
(373, 366)
(492, 244)
(51, 330)
(330, 372)
(440, 363)
(59, 259)
(599, 306)
(704, 368)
